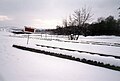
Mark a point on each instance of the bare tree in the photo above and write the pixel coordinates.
(68, 22)
(81, 17)
(119, 12)
(65, 23)
(71, 21)
(78, 20)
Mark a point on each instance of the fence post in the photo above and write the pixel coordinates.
(28, 38)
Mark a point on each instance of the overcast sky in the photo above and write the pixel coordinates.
(49, 13)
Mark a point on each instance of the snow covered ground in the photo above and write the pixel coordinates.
(51, 41)
(20, 65)
(111, 39)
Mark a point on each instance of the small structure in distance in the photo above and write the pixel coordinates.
(29, 30)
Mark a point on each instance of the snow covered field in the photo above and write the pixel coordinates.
(20, 65)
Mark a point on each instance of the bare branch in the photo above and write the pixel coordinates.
(65, 23)
(82, 16)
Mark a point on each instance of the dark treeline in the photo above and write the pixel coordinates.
(107, 26)
(103, 26)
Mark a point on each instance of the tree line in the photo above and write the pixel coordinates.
(105, 26)
(77, 24)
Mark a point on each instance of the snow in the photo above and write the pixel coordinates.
(111, 39)
(20, 65)
(109, 50)
(106, 60)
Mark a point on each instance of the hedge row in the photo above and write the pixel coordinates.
(91, 62)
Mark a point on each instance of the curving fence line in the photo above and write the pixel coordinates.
(50, 38)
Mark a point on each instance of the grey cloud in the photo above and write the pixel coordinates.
(21, 6)
(23, 11)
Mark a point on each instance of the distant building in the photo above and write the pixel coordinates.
(29, 30)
